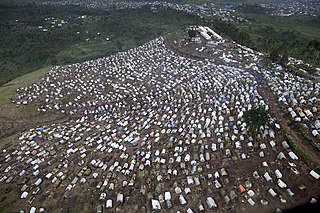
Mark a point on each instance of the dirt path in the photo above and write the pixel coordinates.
(266, 92)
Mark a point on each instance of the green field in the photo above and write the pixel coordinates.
(15, 119)
(308, 27)
(8, 90)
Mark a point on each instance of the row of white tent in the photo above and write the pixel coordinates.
(127, 108)
(299, 96)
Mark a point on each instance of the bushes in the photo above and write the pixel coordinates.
(231, 31)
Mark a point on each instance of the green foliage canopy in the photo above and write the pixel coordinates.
(192, 33)
(255, 118)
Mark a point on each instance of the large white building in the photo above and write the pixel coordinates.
(207, 33)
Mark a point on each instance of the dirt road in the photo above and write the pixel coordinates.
(269, 97)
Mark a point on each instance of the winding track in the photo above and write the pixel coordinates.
(269, 97)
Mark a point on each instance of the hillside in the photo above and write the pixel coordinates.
(152, 106)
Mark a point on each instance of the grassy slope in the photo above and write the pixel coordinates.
(305, 25)
(85, 51)
(8, 112)
(13, 119)
(7, 91)
(10, 118)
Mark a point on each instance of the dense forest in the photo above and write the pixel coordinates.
(232, 32)
(281, 44)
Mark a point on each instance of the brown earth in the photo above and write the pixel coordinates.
(266, 92)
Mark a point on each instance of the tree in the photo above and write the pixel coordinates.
(274, 55)
(192, 33)
(314, 44)
(284, 59)
(255, 118)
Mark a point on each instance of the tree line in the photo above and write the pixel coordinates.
(282, 44)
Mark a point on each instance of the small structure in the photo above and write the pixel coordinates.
(155, 204)
(314, 175)
(211, 203)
